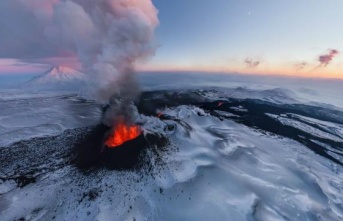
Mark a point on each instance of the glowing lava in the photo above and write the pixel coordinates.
(220, 104)
(122, 133)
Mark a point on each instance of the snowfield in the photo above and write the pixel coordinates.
(27, 117)
(233, 154)
(221, 170)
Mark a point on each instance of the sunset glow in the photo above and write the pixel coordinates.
(264, 38)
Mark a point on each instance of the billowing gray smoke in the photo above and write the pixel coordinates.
(107, 37)
(121, 101)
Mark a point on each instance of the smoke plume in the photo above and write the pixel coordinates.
(251, 63)
(327, 58)
(106, 36)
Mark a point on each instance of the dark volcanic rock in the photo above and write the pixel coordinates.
(89, 148)
(129, 155)
(92, 152)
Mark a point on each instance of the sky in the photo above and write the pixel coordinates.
(281, 37)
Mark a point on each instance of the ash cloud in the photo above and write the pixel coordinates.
(326, 59)
(106, 36)
(251, 63)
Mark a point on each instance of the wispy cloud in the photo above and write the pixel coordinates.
(251, 63)
(14, 66)
(326, 59)
(300, 66)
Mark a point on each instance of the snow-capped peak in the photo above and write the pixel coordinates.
(62, 69)
(59, 73)
(59, 76)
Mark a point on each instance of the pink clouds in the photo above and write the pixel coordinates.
(21, 70)
(327, 58)
(69, 61)
(13, 66)
(47, 28)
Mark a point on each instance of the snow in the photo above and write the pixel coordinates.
(256, 175)
(328, 126)
(58, 74)
(221, 170)
(28, 117)
(320, 92)
(213, 170)
(58, 77)
(305, 127)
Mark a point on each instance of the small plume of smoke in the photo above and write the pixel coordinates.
(327, 58)
(107, 37)
(120, 105)
(300, 66)
(251, 63)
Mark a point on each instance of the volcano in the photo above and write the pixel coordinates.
(58, 77)
(122, 147)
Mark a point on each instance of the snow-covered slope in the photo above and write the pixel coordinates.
(241, 153)
(58, 77)
(213, 170)
(23, 117)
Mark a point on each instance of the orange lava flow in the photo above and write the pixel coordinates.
(122, 133)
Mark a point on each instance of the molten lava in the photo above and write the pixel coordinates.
(122, 133)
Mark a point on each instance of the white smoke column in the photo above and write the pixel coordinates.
(107, 36)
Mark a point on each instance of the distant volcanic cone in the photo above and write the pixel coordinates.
(59, 78)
